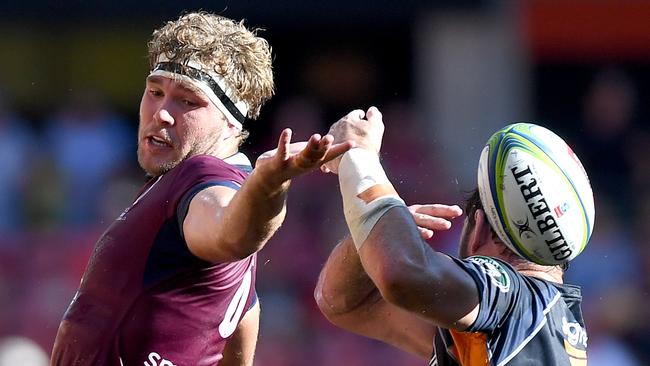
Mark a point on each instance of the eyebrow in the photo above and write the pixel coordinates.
(156, 79)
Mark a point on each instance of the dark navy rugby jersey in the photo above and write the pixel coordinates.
(522, 321)
(144, 298)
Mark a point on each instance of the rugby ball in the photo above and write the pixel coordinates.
(536, 194)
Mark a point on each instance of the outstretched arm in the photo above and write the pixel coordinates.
(223, 224)
(349, 299)
(406, 271)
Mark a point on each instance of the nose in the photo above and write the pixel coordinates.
(162, 115)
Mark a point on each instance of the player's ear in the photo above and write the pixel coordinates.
(230, 131)
(482, 232)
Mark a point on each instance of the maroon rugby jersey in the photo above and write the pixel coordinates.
(144, 298)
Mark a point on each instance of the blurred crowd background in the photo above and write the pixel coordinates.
(446, 74)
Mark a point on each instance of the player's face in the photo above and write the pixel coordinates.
(176, 122)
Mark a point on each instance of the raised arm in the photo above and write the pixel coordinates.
(223, 224)
(407, 272)
(349, 299)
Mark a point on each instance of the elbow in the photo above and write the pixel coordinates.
(331, 311)
(327, 303)
(340, 311)
(236, 252)
(400, 283)
(242, 244)
(221, 251)
(335, 305)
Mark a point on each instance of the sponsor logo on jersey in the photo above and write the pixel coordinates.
(574, 333)
(156, 359)
(575, 342)
(495, 270)
(577, 357)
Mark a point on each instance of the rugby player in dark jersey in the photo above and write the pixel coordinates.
(172, 280)
(491, 307)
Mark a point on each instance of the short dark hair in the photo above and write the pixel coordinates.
(473, 203)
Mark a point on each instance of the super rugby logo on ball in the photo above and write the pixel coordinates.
(536, 194)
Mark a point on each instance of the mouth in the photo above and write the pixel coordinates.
(159, 141)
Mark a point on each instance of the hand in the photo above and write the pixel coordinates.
(433, 217)
(290, 160)
(365, 133)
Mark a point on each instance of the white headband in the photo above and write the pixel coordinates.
(213, 85)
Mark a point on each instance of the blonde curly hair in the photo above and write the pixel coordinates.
(227, 47)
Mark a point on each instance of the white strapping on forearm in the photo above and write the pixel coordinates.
(367, 193)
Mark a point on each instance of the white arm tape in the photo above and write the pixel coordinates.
(366, 191)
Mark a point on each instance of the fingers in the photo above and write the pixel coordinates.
(307, 155)
(316, 148)
(312, 155)
(325, 142)
(331, 166)
(374, 114)
(439, 210)
(431, 222)
(283, 143)
(426, 234)
(356, 114)
(337, 150)
(322, 149)
(432, 217)
(285, 147)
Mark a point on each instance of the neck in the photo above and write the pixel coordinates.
(226, 152)
(548, 273)
(224, 148)
(525, 267)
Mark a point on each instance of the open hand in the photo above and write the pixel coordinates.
(290, 160)
(433, 217)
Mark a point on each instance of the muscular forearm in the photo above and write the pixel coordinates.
(253, 215)
(411, 275)
(393, 256)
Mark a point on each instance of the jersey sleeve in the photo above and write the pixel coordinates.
(197, 174)
(506, 297)
(184, 204)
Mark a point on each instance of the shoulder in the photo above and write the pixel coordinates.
(201, 166)
(504, 292)
(489, 272)
(197, 173)
(202, 169)
(505, 277)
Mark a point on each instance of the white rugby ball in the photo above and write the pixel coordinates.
(536, 194)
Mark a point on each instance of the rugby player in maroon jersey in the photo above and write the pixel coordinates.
(172, 280)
